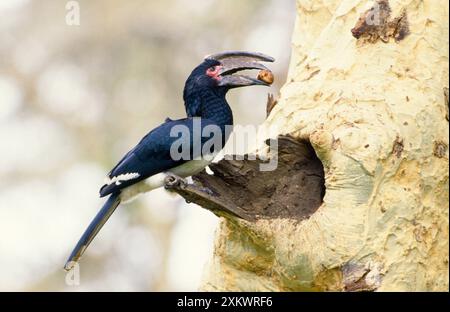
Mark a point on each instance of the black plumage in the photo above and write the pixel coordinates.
(206, 107)
(152, 154)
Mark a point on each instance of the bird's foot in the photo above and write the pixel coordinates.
(173, 181)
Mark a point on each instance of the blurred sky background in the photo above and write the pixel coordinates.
(74, 99)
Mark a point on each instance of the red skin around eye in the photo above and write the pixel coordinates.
(214, 73)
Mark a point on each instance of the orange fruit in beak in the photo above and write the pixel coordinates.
(266, 76)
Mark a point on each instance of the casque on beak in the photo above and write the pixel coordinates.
(234, 61)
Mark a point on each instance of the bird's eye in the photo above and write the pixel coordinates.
(213, 72)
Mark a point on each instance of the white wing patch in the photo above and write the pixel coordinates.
(121, 178)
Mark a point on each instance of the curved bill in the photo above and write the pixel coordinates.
(241, 54)
(234, 61)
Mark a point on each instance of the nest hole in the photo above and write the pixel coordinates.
(294, 189)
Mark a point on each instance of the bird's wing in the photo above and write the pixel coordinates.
(150, 156)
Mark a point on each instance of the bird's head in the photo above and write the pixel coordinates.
(219, 71)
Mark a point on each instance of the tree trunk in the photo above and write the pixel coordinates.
(368, 90)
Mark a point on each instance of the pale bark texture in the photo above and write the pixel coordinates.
(373, 102)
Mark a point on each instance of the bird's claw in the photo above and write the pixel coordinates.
(172, 181)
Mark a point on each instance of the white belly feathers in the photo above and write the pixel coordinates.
(155, 181)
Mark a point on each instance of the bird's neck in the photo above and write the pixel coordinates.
(210, 104)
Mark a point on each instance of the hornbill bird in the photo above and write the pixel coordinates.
(145, 167)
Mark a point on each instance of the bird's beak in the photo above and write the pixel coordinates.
(235, 61)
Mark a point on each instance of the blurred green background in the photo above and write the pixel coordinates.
(74, 99)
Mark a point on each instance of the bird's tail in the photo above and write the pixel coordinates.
(93, 228)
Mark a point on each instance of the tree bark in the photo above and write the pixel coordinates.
(368, 90)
